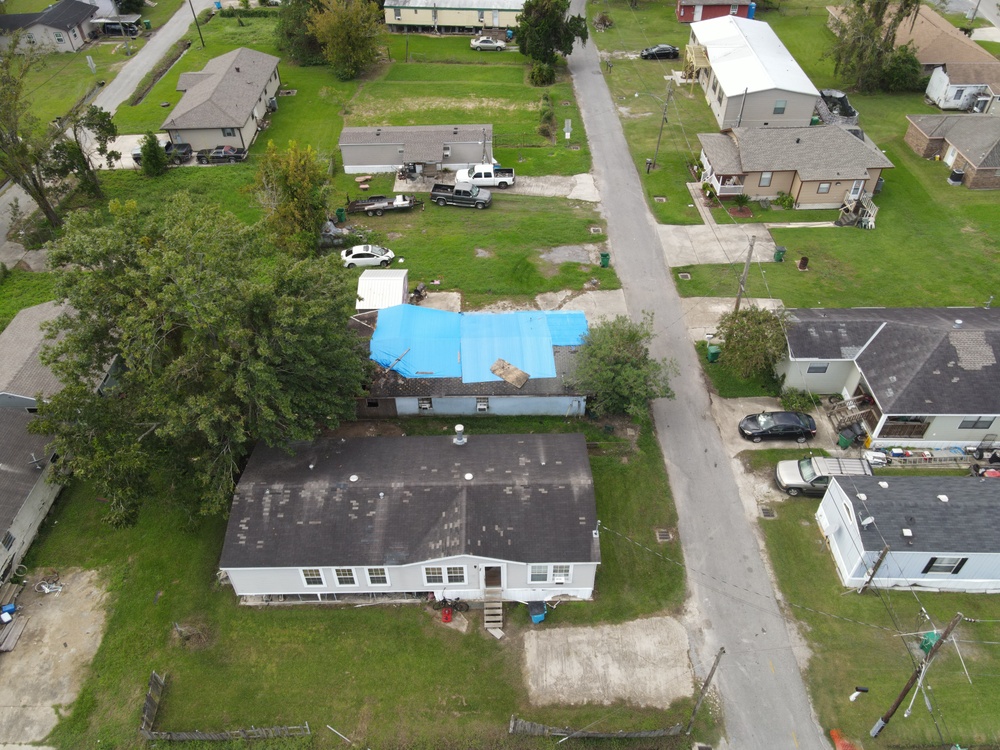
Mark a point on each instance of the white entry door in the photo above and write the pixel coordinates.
(496, 19)
(857, 188)
(697, 12)
(949, 157)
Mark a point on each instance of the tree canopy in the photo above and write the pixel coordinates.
(615, 369)
(754, 340)
(865, 51)
(154, 156)
(294, 36)
(221, 341)
(351, 33)
(290, 186)
(70, 154)
(545, 28)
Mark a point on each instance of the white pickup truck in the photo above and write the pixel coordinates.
(486, 175)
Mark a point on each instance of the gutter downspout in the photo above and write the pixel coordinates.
(743, 103)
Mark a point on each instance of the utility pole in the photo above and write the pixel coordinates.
(874, 570)
(743, 278)
(198, 25)
(704, 689)
(884, 720)
(663, 121)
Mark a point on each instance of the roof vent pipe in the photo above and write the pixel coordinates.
(958, 324)
(459, 438)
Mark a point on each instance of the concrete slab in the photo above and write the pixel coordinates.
(986, 34)
(450, 301)
(579, 187)
(701, 314)
(598, 305)
(643, 663)
(695, 245)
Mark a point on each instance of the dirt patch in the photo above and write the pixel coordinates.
(644, 663)
(482, 253)
(740, 213)
(570, 254)
(45, 671)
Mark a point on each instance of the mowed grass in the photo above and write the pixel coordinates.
(23, 289)
(855, 640)
(728, 384)
(385, 676)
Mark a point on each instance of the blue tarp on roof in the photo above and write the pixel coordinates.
(440, 344)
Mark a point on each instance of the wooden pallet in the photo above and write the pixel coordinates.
(9, 592)
(11, 632)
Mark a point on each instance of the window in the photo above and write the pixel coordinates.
(60, 39)
(976, 423)
(779, 106)
(949, 565)
(734, 9)
(433, 575)
(29, 38)
(539, 574)
(456, 574)
(847, 513)
(228, 132)
(765, 179)
(371, 403)
(378, 577)
(8, 540)
(715, 84)
(482, 16)
(959, 93)
(824, 188)
(312, 576)
(345, 576)
(482, 403)
(818, 367)
(560, 573)
(397, 14)
(424, 404)
(720, 95)
(447, 151)
(73, 32)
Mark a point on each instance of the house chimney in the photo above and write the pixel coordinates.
(459, 438)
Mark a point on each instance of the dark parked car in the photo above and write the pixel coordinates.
(221, 155)
(778, 425)
(660, 52)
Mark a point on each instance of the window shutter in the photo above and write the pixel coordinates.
(960, 565)
(928, 566)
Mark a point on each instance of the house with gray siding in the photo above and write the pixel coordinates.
(943, 533)
(749, 77)
(397, 516)
(62, 27)
(966, 86)
(429, 147)
(932, 374)
(224, 104)
(451, 16)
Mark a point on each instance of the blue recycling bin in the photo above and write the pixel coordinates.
(537, 611)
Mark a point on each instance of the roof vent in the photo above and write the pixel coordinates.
(866, 522)
(862, 496)
(454, 131)
(354, 477)
(943, 498)
(884, 485)
(908, 533)
(312, 466)
(958, 324)
(459, 438)
(468, 477)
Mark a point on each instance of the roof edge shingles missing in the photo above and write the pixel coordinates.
(525, 498)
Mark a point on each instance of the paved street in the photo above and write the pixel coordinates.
(732, 600)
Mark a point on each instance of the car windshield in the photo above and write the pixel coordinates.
(377, 250)
(765, 421)
(474, 191)
(806, 469)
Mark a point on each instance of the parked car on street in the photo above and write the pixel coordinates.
(660, 52)
(778, 425)
(485, 42)
(221, 155)
(366, 255)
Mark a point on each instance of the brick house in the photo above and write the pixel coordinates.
(970, 143)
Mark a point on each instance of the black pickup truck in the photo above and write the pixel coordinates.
(461, 194)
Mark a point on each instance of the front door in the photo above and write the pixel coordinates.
(496, 19)
(857, 188)
(949, 157)
(492, 577)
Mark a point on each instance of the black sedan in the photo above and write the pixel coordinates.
(221, 155)
(778, 425)
(660, 52)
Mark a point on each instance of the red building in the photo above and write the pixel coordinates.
(689, 11)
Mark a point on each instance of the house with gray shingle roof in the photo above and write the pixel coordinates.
(970, 143)
(932, 374)
(63, 27)
(430, 147)
(22, 375)
(966, 86)
(943, 533)
(819, 166)
(512, 517)
(225, 103)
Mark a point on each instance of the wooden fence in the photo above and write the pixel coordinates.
(520, 726)
(152, 703)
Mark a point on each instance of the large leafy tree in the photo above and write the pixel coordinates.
(865, 52)
(294, 36)
(545, 28)
(220, 340)
(154, 156)
(131, 6)
(71, 154)
(24, 142)
(351, 33)
(754, 340)
(615, 368)
(290, 186)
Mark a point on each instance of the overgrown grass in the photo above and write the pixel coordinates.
(728, 384)
(853, 640)
(375, 673)
(23, 289)
(766, 459)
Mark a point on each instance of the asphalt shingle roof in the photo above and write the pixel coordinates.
(21, 370)
(977, 137)
(421, 142)
(224, 93)
(17, 472)
(530, 499)
(62, 16)
(971, 74)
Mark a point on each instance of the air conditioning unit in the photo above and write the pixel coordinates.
(482, 407)
(559, 579)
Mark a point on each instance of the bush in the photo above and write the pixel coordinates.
(785, 201)
(542, 74)
(794, 399)
(603, 21)
(742, 200)
(248, 12)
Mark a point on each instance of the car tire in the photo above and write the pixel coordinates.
(794, 491)
(379, 212)
(232, 159)
(384, 264)
(441, 202)
(499, 49)
(370, 212)
(978, 454)
(479, 49)
(800, 439)
(480, 205)
(502, 185)
(203, 161)
(350, 265)
(756, 438)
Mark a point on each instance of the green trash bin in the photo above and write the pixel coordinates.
(341, 215)
(779, 254)
(605, 260)
(714, 352)
(843, 441)
(147, 24)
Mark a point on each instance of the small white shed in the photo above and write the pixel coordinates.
(382, 288)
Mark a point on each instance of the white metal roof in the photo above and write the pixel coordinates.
(748, 56)
(382, 288)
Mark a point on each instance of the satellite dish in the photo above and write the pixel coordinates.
(866, 522)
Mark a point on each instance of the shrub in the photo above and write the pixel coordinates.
(542, 74)
(603, 21)
(248, 12)
(742, 200)
(785, 201)
(794, 399)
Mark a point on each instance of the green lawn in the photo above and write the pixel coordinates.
(387, 676)
(853, 640)
(23, 289)
(728, 384)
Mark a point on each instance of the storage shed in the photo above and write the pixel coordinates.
(382, 288)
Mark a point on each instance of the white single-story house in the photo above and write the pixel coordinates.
(22, 375)
(62, 27)
(943, 533)
(225, 103)
(509, 517)
(451, 16)
(932, 373)
(429, 147)
(379, 288)
(820, 167)
(966, 86)
(438, 363)
(749, 77)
